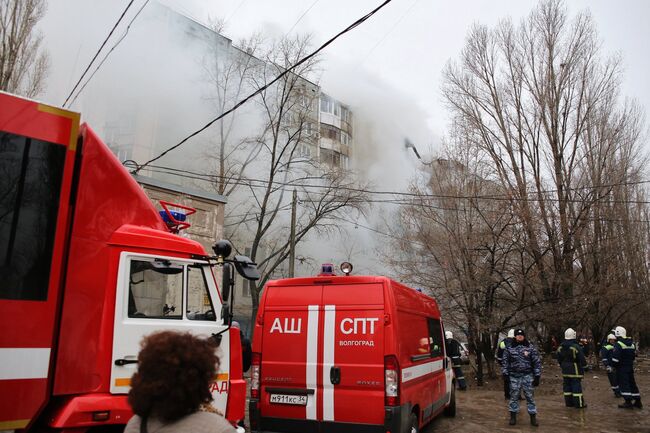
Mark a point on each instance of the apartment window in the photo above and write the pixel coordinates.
(345, 114)
(345, 138)
(337, 109)
(326, 105)
(305, 151)
(330, 132)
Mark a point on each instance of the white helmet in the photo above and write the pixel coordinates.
(611, 337)
(569, 334)
(619, 331)
(449, 335)
(511, 333)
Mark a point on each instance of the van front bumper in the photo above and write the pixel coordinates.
(396, 420)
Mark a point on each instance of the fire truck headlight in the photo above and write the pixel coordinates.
(346, 268)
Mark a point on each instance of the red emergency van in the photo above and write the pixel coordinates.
(348, 354)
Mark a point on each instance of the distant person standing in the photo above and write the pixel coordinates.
(623, 358)
(453, 351)
(573, 363)
(521, 362)
(499, 355)
(606, 352)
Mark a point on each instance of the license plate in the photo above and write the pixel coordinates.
(289, 399)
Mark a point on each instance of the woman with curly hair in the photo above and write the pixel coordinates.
(172, 383)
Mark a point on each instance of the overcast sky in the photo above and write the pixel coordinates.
(407, 43)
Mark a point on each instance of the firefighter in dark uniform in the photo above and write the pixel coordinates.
(573, 363)
(499, 355)
(623, 359)
(606, 352)
(453, 351)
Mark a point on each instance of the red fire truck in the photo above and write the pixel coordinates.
(348, 354)
(87, 268)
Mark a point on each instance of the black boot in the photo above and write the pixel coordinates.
(638, 404)
(533, 420)
(513, 418)
(626, 405)
(568, 401)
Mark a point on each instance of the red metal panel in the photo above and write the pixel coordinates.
(31, 324)
(358, 350)
(31, 119)
(235, 410)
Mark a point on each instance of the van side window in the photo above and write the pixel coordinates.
(155, 289)
(199, 305)
(435, 337)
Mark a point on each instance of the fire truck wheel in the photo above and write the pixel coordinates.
(414, 424)
(450, 410)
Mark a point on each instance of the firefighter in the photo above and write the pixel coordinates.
(573, 363)
(453, 351)
(500, 349)
(521, 362)
(623, 359)
(606, 352)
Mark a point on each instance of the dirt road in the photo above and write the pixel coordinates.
(484, 409)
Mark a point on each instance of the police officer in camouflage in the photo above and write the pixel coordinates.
(522, 363)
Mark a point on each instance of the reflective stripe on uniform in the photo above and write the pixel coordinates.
(625, 346)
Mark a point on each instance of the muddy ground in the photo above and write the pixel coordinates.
(483, 409)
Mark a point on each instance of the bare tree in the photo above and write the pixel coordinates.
(23, 64)
(530, 99)
(461, 246)
(259, 169)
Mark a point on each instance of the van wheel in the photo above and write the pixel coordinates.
(450, 410)
(414, 424)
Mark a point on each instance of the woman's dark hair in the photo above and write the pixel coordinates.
(174, 374)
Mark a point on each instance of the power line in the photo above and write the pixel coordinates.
(301, 17)
(259, 183)
(126, 32)
(399, 20)
(98, 51)
(260, 90)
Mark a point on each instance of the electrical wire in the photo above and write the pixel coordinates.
(260, 90)
(301, 17)
(399, 20)
(126, 32)
(259, 183)
(98, 51)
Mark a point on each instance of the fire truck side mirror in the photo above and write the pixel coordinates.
(227, 281)
(246, 268)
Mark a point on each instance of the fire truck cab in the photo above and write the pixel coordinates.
(348, 354)
(88, 267)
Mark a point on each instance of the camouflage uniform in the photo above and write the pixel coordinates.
(521, 362)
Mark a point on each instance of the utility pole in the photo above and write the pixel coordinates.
(292, 245)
